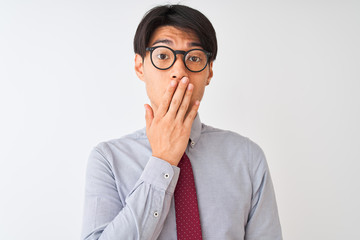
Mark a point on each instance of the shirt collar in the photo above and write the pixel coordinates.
(195, 131)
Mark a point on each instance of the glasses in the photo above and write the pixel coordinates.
(163, 58)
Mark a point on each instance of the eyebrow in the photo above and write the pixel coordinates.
(169, 42)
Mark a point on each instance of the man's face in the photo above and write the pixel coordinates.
(156, 80)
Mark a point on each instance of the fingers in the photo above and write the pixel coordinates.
(192, 114)
(175, 103)
(149, 115)
(185, 103)
(178, 96)
(166, 99)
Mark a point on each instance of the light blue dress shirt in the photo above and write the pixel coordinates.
(129, 193)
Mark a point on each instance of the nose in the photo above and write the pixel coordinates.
(178, 70)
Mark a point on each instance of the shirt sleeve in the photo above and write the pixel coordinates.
(145, 209)
(263, 221)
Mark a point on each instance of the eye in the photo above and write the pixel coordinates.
(162, 56)
(194, 59)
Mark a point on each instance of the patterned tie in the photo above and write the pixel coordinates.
(186, 206)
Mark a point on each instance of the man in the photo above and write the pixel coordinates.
(223, 188)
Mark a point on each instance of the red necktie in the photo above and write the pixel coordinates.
(186, 206)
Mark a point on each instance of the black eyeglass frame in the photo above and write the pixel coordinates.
(184, 53)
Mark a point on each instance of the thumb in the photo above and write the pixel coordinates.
(149, 115)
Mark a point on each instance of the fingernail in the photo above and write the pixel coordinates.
(184, 79)
(197, 102)
(190, 86)
(173, 83)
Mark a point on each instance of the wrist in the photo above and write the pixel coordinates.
(166, 159)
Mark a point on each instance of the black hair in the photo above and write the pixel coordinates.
(178, 16)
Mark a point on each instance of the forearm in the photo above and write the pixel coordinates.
(141, 215)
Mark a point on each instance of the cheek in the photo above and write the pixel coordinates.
(155, 88)
(198, 92)
(200, 83)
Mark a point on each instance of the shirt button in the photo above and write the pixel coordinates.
(192, 143)
(156, 214)
(166, 175)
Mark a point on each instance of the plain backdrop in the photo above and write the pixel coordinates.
(287, 76)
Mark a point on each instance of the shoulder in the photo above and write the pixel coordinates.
(229, 137)
(234, 146)
(125, 143)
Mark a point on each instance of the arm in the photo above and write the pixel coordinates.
(263, 222)
(143, 214)
(145, 209)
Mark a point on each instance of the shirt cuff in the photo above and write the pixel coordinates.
(160, 173)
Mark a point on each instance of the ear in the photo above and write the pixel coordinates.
(210, 73)
(139, 67)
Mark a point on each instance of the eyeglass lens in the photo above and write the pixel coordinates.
(163, 58)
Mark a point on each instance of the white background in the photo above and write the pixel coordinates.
(287, 76)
